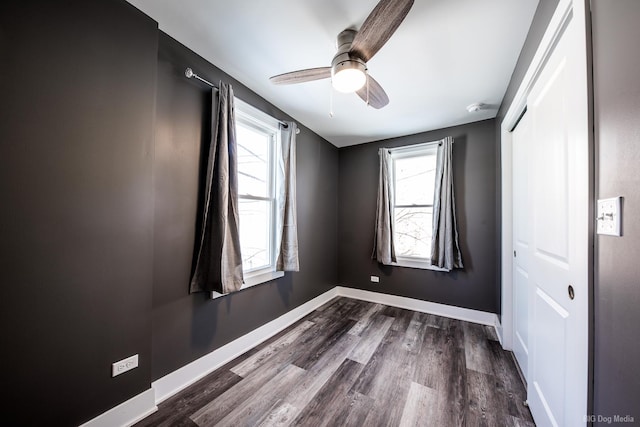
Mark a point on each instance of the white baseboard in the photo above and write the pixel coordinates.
(459, 313)
(127, 413)
(144, 404)
(183, 377)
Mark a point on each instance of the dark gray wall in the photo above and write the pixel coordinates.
(475, 169)
(98, 219)
(77, 86)
(185, 326)
(616, 71)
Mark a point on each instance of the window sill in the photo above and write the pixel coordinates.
(412, 263)
(261, 278)
(256, 279)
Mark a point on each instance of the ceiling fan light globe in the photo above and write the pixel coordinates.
(348, 76)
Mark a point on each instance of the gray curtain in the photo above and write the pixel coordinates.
(445, 250)
(383, 248)
(219, 262)
(287, 222)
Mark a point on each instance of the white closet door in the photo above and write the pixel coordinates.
(559, 246)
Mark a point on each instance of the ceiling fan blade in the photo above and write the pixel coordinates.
(301, 76)
(374, 95)
(379, 26)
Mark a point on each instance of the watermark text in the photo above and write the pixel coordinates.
(608, 419)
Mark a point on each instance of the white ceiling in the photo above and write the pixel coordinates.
(446, 55)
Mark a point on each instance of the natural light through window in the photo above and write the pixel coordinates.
(257, 140)
(414, 177)
(256, 203)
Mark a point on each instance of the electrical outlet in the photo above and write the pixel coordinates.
(375, 279)
(124, 365)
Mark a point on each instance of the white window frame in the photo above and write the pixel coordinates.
(249, 116)
(429, 148)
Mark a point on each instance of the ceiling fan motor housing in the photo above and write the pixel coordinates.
(344, 40)
(344, 59)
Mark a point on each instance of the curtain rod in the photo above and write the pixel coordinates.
(189, 74)
(419, 145)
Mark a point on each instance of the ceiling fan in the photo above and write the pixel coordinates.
(348, 70)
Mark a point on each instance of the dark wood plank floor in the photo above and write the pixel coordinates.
(355, 363)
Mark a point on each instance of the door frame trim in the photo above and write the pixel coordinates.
(554, 31)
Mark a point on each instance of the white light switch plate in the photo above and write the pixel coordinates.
(609, 216)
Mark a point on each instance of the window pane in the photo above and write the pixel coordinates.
(415, 177)
(253, 161)
(255, 226)
(412, 232)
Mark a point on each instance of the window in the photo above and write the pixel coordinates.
(258, 138)
(413, 170)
